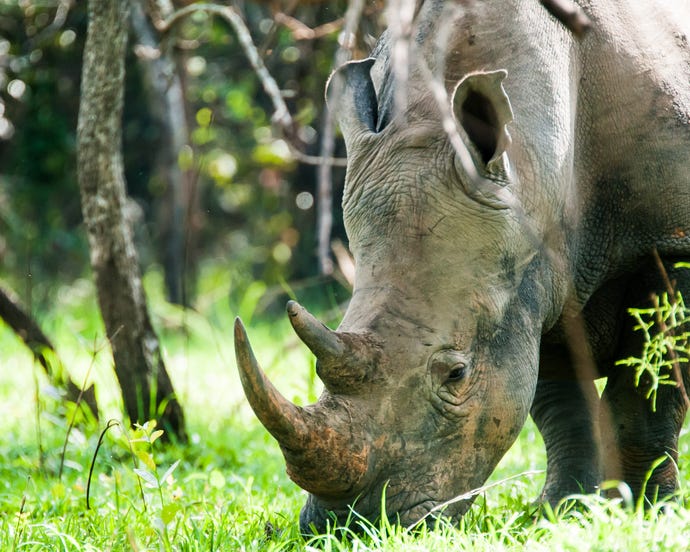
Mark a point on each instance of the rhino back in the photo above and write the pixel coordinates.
(632, 160)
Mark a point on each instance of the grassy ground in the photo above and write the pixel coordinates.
(228, 489)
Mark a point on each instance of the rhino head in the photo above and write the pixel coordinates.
(430, 376)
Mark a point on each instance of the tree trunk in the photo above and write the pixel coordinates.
(146, 388)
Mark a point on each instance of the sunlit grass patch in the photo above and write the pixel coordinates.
(229, 490)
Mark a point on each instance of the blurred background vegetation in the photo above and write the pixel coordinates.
(249, 205)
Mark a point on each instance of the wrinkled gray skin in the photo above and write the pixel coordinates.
(481, 299)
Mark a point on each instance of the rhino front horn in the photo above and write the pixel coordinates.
(287, 422)
(322, 453)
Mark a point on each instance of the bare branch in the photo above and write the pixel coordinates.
(281, 116)
(26, 328)
(670, 289)
(477, 186)
(346, 262)
(400, 15)
(300, 31)
(316, 160)
(570, 14)
(325, 186)
(470, 494)
(281, 113)
(58, 22)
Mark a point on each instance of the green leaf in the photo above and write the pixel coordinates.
(204, 117)
(169, 512)
(169, 471)
(155, 435)
(148, 477)
(238, 102)
(147, 459)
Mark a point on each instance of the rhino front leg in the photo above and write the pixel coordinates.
(634, 433)
(638, 437)
(564, 412)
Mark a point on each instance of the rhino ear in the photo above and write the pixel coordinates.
(482, 108)
(350, 95)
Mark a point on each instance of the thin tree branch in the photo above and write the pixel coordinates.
(569, 14)
(670, 289)
(325, 182)
(316, 160)
(58, 22)
(400, 15)
(281, 115)
(300, 31)
(27, 329)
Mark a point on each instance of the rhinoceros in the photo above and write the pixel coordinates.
(501, 222)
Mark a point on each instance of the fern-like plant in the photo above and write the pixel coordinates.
(666, 331)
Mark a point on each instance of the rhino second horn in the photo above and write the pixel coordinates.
(342, 357)
(288, 423)
(326, 345)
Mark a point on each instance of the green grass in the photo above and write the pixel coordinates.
(229, 490)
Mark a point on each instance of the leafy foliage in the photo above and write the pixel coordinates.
(243, 179)
(666, 333)
(39, 204)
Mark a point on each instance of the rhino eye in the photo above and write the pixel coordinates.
(457, 373)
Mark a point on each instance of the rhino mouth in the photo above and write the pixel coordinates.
(317, 518)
